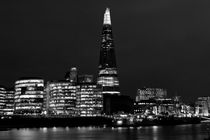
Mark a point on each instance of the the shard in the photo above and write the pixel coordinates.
(108, 76)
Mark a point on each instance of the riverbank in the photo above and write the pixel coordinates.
(30, 122)
(35, 122)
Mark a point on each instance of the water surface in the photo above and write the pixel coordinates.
(179, 132)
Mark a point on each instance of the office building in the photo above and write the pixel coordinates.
(61, 98)
(9, 102)
(89, 101)
(2, 99)
(29, 94)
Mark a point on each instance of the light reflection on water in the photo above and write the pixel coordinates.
(179, 132)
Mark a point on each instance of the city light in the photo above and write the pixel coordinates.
(81, 96)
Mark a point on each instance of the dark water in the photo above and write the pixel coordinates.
(180, 132)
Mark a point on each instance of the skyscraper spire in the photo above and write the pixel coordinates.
(107, 76)
(107, 17)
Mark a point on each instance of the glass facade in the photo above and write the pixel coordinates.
(108, 77)
(29, 94)
(61, 98)
(89, 100)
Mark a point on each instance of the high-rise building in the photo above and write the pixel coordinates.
(9, 102)
(61, 98)
(29, 95)
(108, 76)
(89, 101)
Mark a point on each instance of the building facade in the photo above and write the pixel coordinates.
(107, 75)
(2, 99)
(71, 75)
(29, 96)
(202, 106)
(150, 93)
(154, 101)
(61, 98)
(9, 102)
(89, 101)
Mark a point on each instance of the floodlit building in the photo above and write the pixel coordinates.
(28, 98)
(61, 98)
(107, 75)
(89, 101)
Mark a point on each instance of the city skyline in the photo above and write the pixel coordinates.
(48, 46)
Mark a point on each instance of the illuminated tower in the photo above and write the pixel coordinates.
(107, 76)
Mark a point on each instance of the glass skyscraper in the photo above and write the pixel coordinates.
(108, 76)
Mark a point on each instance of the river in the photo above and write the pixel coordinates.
(179, 132)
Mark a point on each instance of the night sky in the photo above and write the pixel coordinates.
(163, 43)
